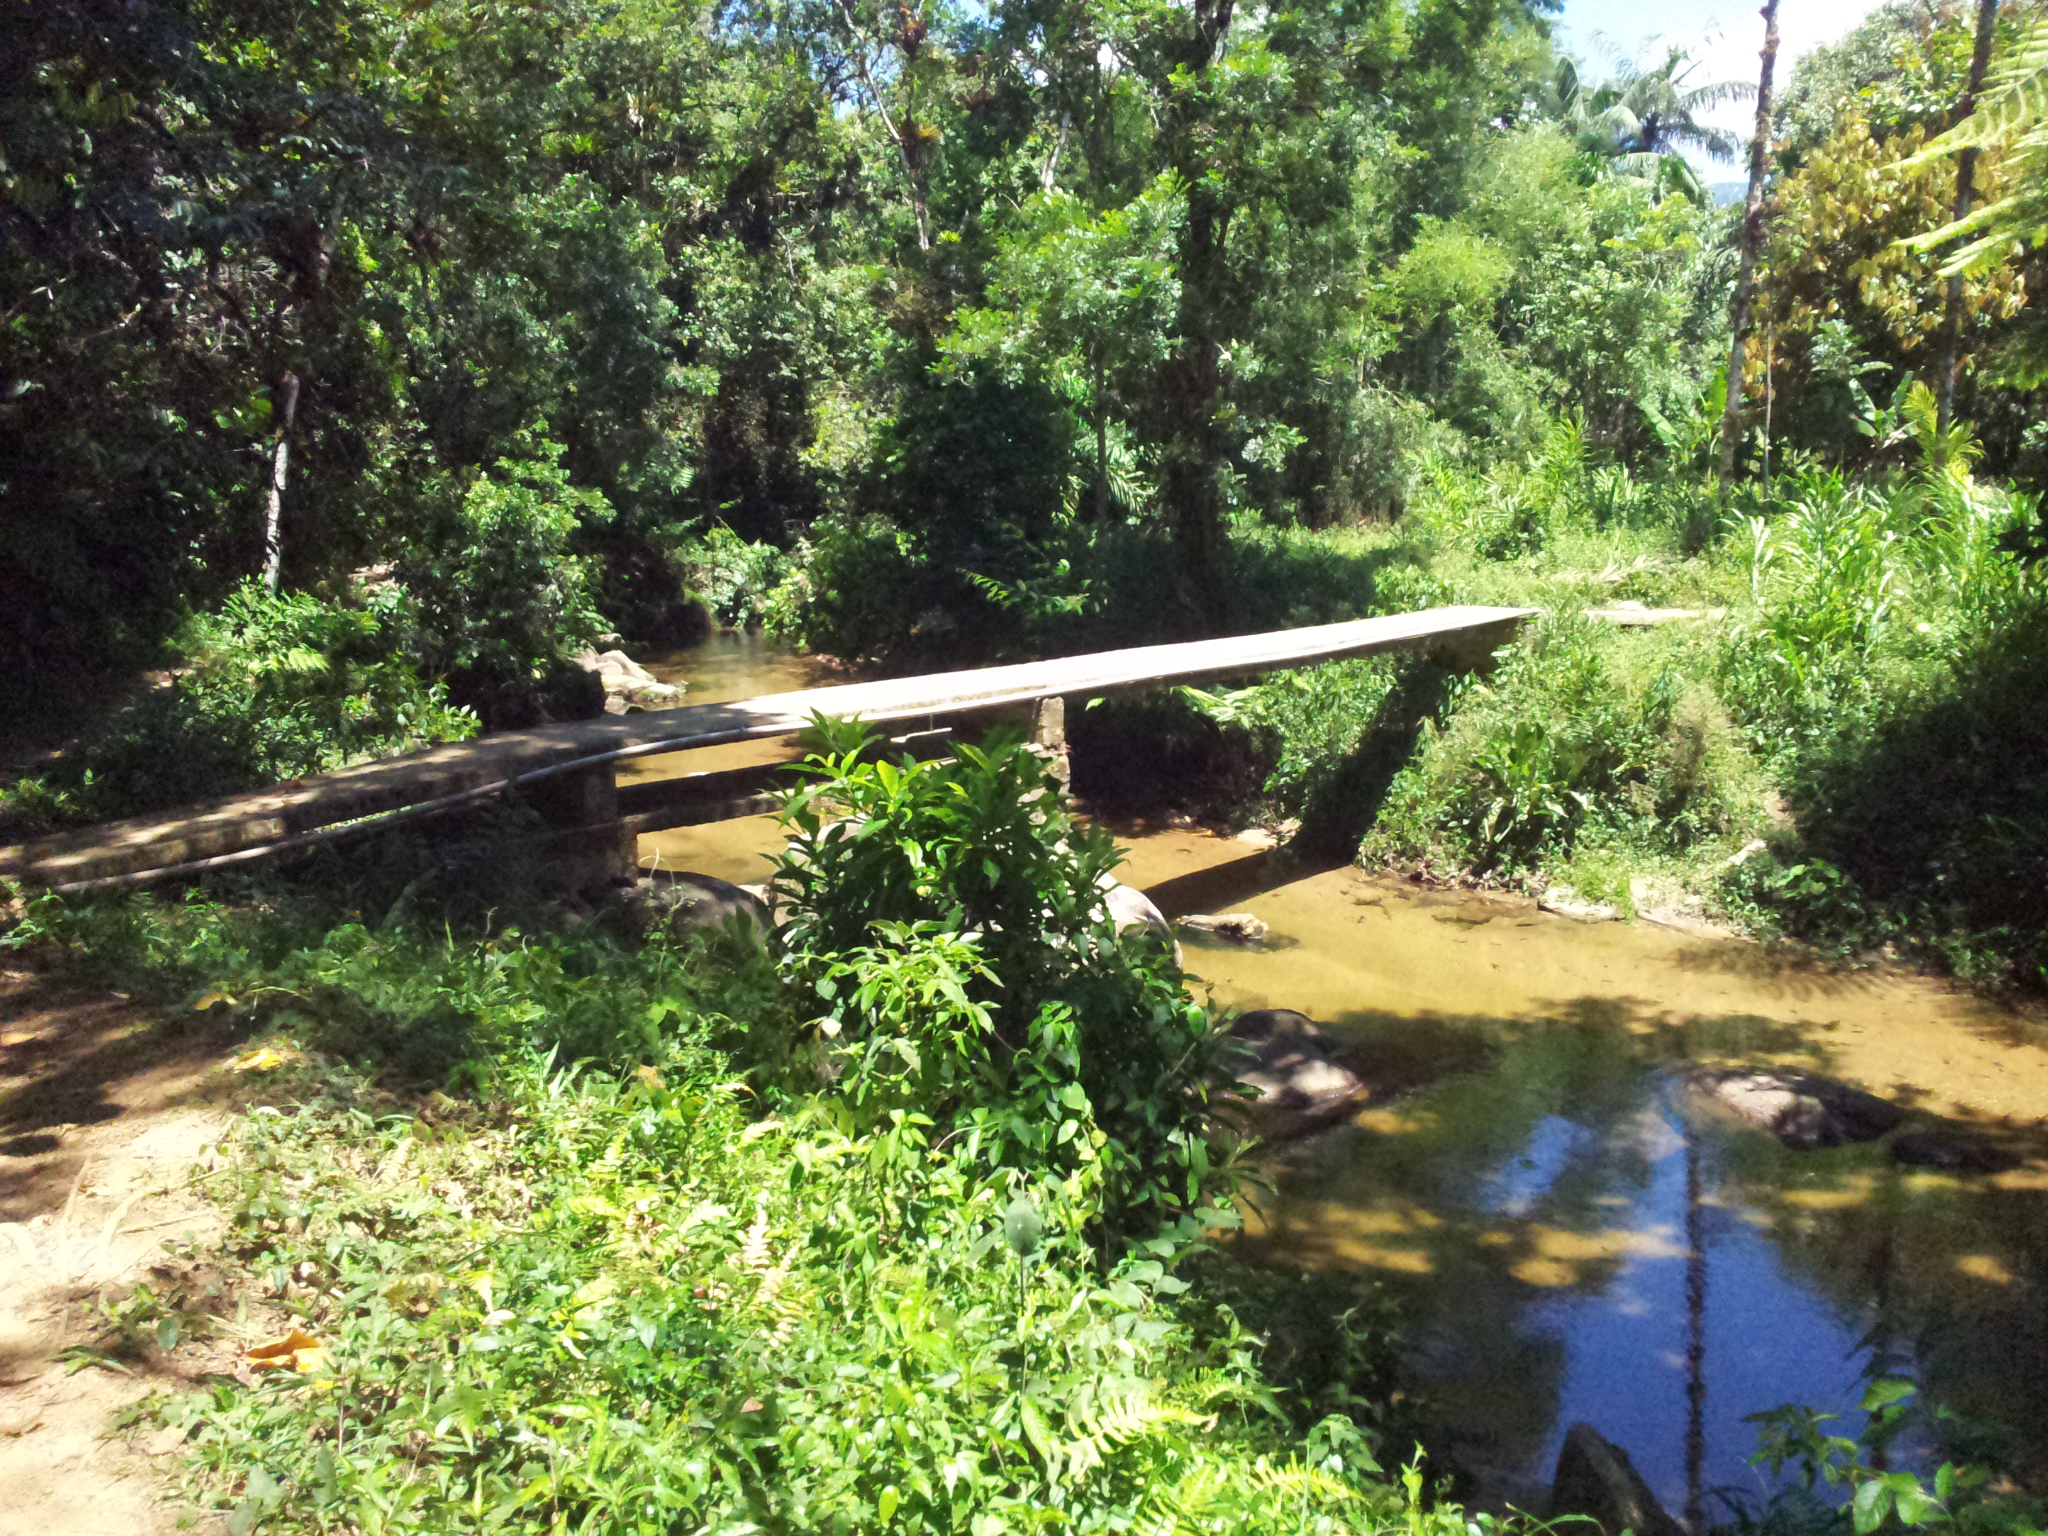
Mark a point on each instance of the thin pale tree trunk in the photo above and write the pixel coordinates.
(1966, 187)
(286, 400)
(1752, 241)
(280, 467)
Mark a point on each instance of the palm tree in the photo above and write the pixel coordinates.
(1641, 120)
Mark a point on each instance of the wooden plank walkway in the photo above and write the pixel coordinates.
(540, 759)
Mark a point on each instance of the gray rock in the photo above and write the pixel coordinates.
(1596, 1479)
(1566, 902)
(1800, 1109)
(627, 684)
(1952, 1151)
(1290, 1064)
(684, 903)
(1134, 912)
(1238, 927)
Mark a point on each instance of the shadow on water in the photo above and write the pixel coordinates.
(1571, 1233)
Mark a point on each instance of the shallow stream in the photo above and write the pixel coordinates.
(1568, 1232)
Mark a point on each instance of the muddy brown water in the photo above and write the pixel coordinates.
(1566, 1232)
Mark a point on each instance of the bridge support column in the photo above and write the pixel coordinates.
(1049, 738)
(587, 845)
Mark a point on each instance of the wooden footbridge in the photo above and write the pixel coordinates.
(568, 772)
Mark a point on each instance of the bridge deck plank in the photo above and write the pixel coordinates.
(241, 821)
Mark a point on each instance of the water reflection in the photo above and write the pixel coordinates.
(1572, 1236)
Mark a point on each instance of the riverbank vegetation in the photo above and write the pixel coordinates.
(869, 1228)
(936, 338)
(363, 367)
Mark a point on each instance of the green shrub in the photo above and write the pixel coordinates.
(1568, 735)
(948, 918)
(856, 588)
(732, 577)
(275, 685)
(1308, 722)
(1850, 1487)
(504, 604)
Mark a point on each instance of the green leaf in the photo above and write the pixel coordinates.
(1886, 1390)
(1872, 1503)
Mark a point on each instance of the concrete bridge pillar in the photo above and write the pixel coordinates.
(1049, 738)
(587, 844)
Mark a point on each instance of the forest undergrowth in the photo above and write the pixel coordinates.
(902, 1222)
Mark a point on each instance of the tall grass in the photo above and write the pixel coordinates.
(1848, 626)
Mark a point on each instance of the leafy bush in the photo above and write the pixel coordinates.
(275, 686)
(1563, 738)
(948, 917)
(856, 589)
(732, 577)
(1308, 721)
(504, 603)
(1960, 1498)
(1930, 825)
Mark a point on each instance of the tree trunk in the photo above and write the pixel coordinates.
(1752, 239)
(280, 465)
(1193, 378)
(1101, 449)
(1966, 177)
(1193, 388)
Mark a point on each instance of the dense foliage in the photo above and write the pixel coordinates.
(931, 334)
(639, 1264)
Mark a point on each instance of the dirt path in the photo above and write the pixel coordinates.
(105, 1110)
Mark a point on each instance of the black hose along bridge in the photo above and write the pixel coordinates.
(568, 773)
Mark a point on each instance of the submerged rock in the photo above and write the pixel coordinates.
(1238, 927)
(1596, 1479)
(1566, 902)
(1291, 1065)
(1800, 1109)
(1952, 1151)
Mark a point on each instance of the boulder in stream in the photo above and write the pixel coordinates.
(1564, 901)
(1135, 912)
(1596, 1479)
(1292, 1066)
(627, 684)
(1801, 1110)
(1238, 927)
(1952, 1150)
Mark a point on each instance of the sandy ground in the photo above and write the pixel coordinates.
(105, 1112)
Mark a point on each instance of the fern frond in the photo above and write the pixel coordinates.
(2015, 101)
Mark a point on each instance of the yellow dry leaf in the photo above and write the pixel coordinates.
(296, 1351)
(267, 1059)
(209, 999)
